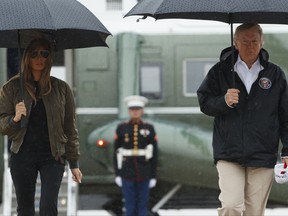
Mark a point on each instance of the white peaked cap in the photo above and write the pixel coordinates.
(135, 101)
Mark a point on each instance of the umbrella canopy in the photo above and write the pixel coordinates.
(69, 23)
(66, 23)
(229, 11)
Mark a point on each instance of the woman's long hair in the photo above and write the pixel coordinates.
(45, 81)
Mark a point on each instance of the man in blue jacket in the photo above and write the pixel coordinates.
(250, 117)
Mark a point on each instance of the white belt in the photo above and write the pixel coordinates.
(147, 152)
(134, 152)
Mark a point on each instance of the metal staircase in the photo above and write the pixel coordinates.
(67, 199)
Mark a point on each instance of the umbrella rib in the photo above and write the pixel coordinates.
(49, 13)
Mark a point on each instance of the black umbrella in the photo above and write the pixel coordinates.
(228, 11)
(68, 23)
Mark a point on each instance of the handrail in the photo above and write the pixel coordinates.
(72, 195)
(7, 182)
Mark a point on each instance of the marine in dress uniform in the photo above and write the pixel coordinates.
(135, 158)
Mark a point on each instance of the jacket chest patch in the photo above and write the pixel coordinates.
(265, 83)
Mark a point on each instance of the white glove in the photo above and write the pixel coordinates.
(118, 181)
(152, 183)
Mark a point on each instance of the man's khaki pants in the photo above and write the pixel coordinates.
(244, 190)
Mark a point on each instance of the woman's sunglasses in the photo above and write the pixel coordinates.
(41, 53)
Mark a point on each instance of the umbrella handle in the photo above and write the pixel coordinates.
(23, 121)
(23, 118)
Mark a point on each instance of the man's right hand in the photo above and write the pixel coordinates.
(232, 97)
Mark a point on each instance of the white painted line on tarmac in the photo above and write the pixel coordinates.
(93, 213)
(213, 212)
(184, 212)
(276, 212)
(188, 212)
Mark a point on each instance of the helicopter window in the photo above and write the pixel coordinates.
(151, 80)
(114, 4)
(194, 71)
